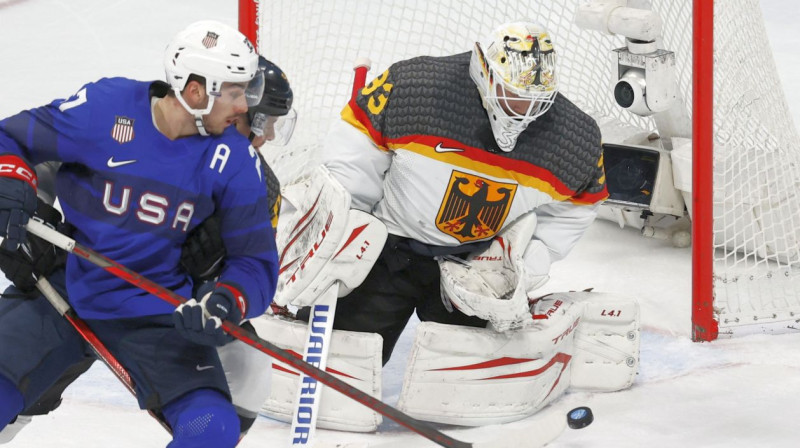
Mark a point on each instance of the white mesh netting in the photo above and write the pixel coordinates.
(757, 211)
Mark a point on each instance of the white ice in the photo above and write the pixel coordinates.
(729, 393)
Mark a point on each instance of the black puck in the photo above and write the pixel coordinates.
(580, 417)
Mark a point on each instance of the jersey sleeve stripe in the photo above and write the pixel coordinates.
(357, 118)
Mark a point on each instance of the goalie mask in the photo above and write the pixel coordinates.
(515, 72)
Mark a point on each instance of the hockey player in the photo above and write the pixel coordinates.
(140, 170)
(447, 167)
(201, 256)
(269, 122)
(272, 121)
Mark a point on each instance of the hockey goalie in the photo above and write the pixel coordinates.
(483, 174)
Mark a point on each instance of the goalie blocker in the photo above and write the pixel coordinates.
(583, 341)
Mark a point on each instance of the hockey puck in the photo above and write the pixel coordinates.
(580, 417)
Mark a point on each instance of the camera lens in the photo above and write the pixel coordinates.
(623, 94)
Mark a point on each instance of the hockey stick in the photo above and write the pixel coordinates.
(320, 328)
(102, 352)
(422, 428)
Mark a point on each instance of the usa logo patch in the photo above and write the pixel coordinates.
(122, 131)
(210, 41)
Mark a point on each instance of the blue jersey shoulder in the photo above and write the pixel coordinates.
(231, 152)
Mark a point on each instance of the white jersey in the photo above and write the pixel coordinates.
(418, 153)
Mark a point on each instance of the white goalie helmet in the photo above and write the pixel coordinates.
(515, 72)
(217, 52)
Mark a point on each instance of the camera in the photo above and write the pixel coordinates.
(646, 78)
(629, 92)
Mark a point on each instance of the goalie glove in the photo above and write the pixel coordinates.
(201, 322)
(493, 284)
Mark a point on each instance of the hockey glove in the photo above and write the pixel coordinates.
(36, 257)
(492, 283)
(203, 251)
(17, 200)
(201, 322)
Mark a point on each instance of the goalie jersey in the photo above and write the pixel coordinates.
(132, 195)
(415, 148)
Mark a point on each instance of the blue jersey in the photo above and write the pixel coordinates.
(133, 194)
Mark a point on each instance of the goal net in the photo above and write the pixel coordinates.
(755, 207)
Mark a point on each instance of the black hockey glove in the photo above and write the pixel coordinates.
(203, 252)
(201, 322)
(36, 257)
(17, 200)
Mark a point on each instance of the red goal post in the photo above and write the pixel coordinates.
(704, 325)
(248, 20)
(730, 117)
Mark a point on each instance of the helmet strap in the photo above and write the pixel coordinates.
(198, 114)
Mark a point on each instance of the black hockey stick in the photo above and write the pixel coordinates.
(91, 338)
(422, 428)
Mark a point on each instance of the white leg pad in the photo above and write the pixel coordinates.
(606, 343)
(475, 376)
(353, 357)
(248, 373)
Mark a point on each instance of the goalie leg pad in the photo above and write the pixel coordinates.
(353, 357)
(248, 373)
(477, 376)
(606, 342)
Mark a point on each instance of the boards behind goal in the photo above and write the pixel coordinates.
(745, 229)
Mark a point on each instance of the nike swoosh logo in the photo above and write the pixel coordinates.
(113, 164)
(440, 148)
(200, 369)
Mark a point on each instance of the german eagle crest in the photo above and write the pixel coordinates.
(474, 208)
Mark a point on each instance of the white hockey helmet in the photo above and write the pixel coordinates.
(515, 72)
(218, 53)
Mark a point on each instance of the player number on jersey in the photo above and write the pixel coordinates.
(76, 100)
(377, 99)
